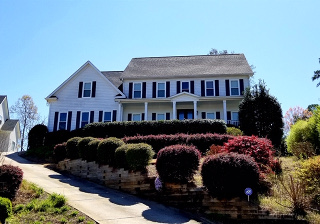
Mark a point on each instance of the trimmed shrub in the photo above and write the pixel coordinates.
(234, 131)
(227, 175)
(57, 137)
(106, 150)
(5, 209)
(72, 148)
(138, 156)
(178, 163)
(11, 177)
(258, 148)
(83, 147)
(120, 156)
(59, 152)
(42, 152)
(92, 150)
(37, 136)
(303, 150)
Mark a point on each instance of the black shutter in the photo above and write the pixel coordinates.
(142, 117)
(144, 90)
(78, 119)
(69, 120)
(228, 115)
(178, 87)
(114, 115)
(100, 115)
(241, 87)
(203, 115)
(91, 116)
(130, 90)
(218, 115)
(168, 116)
(192, 86)
(203, 93)
(154, 90)
(216, 87)
(94, 85)
(168, 89)
(154, 116)
(129, 117)
(80, 90)
(227, 88)
(55, 124)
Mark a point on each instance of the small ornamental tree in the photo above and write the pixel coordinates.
(11, 177)
(227, 175)
(178, 163)
(258, 148)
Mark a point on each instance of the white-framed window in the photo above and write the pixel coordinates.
(137, 90)
(84, 118)
(161, 117)
(185, 87)
(63, 121)
(209, 88)
(234, 88)
(211, 115)
(136, 117)
(107, 117)
(87, 87)
(161, 90)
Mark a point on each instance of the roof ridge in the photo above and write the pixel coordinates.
(184, 56)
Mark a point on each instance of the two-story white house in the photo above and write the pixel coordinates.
(152, 88)
(9, 128)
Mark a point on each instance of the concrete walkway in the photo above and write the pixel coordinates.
(102, 204)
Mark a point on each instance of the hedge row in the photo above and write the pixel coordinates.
(201, 141)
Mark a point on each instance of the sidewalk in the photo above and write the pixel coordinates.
(104, 205)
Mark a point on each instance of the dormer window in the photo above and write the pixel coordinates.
(137, 89)
(185, 87)
(234, 88)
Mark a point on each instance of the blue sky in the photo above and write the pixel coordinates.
(43, 42)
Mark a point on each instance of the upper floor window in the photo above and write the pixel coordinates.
(185, 86)
(136, 117)
(209, 88)
(137, 89)
(87, 89)
(84, 119)
(63, 121)
(161, 89)
(234, 88)
(107, 117)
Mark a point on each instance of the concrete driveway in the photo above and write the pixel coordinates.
(102, 204)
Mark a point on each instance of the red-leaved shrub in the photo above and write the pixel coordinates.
(178, 163)
(10, 179)
(258, 148)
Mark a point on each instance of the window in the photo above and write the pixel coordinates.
(87, 89)
(210, 116)
(137, 90)
(160, 117)
(209, 88)
(161, 89)
(63, 121)
(136, 117)
(107, 117)
(235, 116)
(0, 119)
(185, 86)
(84, 119)
(235, 88)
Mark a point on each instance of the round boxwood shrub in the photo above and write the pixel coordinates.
(59, 152)
(106, 150)
(227, 175)
(83, 147)
(120, 156)
(177, 163)
(72, 148)
(138, 156)
(92, 150)
(11, 177)
(5, 209)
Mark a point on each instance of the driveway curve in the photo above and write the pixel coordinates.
(102, 204)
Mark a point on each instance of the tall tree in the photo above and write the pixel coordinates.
(316, 75)
(27, 113)
(293, 115)
(260, 114)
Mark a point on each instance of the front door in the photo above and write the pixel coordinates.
(185, 114)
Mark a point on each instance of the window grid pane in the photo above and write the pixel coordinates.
(185, 87)
(107, 117)
(87, 89)
(137, 90)
(63, 121)
(160, 117)
(84, 119)
(210, 116)
(136, 117)
(161, 90)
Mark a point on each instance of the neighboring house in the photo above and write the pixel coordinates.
(154, 88)
(9, 129)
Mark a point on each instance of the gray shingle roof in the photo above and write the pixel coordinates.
(114, 77)
(186, 66)
(2, 98)
(9, 125)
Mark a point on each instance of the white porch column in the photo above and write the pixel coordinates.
(145, 111)
(225, 111)
(195, 109)
(120, 111)
(174, 110)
